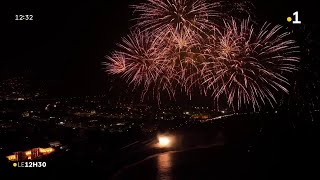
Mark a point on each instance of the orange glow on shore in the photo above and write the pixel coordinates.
(28, 153)
(32, 154)
(11, 157)
(164, 141)
(46, 150)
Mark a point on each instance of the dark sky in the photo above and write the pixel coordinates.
(66, 42)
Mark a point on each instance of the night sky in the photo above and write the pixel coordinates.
(65, 44)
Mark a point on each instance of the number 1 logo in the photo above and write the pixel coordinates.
(296, 18)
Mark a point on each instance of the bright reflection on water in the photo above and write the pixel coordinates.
(164, 166)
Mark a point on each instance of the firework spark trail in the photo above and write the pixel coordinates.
(184, 53)
(117, 64)
(249, 64)
(237, 9)
(158, 15)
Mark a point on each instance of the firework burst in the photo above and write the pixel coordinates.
(249, 65)
(179, 47)
(141, 60)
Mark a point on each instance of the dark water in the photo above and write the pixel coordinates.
(210, 163)
(225, 163)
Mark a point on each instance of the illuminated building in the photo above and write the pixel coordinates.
(20, 156)
(55, 144)
(46, 151)
(12, 157)
(32, 154)
(28, 153)
(200, 116)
